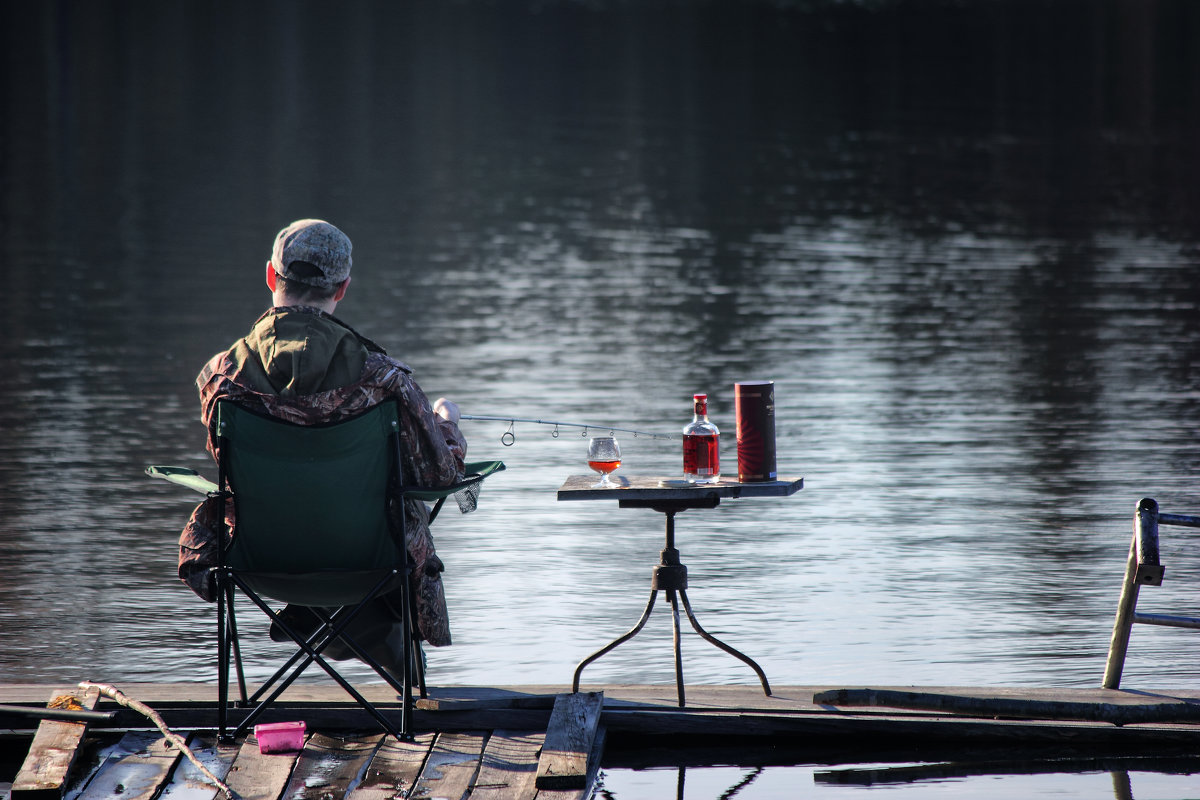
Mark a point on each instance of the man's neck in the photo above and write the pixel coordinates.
(278, 300)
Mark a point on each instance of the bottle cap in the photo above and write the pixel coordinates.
(699, 397)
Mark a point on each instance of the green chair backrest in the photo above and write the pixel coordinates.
(309, 499)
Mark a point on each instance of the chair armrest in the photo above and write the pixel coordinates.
(476, 471)
(184, 477)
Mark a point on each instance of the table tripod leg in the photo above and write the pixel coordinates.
(619, 640)
(762, 676)
(678, 652)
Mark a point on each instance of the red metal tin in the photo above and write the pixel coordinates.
(754, 407)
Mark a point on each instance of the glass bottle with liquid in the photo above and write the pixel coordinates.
(701, 451)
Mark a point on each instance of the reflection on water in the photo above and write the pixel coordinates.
(958, 239)
(1122, 779)
(642, 768)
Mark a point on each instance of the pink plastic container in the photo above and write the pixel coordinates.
(279, 737)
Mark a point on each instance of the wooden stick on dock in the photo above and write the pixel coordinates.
(175, 739)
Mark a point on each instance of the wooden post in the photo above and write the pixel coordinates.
(1145, 542)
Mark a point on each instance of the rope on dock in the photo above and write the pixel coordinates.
(120, 697)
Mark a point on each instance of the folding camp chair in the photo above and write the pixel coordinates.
(313, 530)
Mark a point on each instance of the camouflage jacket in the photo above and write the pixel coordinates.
(292, 366)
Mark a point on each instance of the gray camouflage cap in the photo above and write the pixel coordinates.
(315, 242)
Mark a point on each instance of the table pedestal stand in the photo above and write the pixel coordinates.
(670, 576)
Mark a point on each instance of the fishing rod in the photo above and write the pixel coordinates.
(509, 437)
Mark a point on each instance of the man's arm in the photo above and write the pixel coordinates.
(439, 449)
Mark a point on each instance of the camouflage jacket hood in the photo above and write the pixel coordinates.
(294, 351)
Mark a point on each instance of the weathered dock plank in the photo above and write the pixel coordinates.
(1117, 713)
(453, 763)
(509, 766)
(584, 792)
(717, 714)
(136, 770)
(569, 740)
(394, 769)
(328, 766)
(451, 760)
(47, 766)
(259, 776)
(188, 782)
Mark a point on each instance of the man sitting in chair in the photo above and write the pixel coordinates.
(302, 364)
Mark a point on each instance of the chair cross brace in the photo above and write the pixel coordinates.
(310, 648)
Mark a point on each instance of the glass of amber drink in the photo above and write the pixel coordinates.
(604, 456)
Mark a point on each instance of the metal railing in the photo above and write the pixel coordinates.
(1142, 569)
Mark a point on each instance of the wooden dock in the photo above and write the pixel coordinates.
(545, 743)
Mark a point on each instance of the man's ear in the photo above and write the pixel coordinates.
(341, 291)
(271, 276)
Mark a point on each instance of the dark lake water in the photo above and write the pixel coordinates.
(960, 237)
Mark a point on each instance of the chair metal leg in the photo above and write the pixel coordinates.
(222, 664)
(406, 697)
(235, 644)
(333, 626)
(312, 654)
(339, 622)
(418, 661)
(406, 694)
